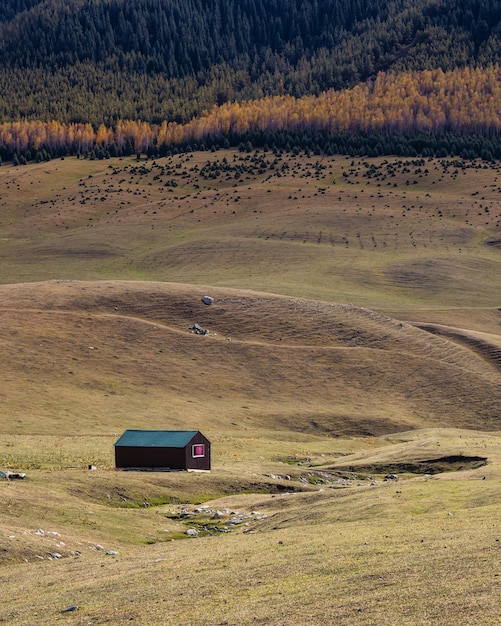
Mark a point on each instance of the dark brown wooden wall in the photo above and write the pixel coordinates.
(165, 458)
(201, 463)
(129, 456)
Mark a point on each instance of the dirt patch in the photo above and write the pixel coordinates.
(493, 242)
(488, 351)
(439, 465)
(83, 251)
(431, 276)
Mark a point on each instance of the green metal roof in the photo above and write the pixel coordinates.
(156, 438)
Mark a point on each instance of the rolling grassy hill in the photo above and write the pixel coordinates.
(354, 332)
(84, 357)
(385, 234)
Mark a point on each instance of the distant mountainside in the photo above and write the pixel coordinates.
(99, 61)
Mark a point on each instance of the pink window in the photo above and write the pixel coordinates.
(198, 450)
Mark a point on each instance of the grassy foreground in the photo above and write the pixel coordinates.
(354, 334)
(338, 549)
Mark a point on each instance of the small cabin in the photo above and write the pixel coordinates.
(163, 450)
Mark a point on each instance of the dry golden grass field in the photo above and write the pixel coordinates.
(355, 333)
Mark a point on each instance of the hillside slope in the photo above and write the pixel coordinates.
(351, 298)
(397, 235)
(83, 356)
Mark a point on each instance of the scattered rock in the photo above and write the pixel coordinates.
(198, 330)
(207, 300)
(111, 552)
(14, 475)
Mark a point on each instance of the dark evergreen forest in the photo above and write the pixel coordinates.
(99, 61)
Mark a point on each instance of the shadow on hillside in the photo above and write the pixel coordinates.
(440, 465)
